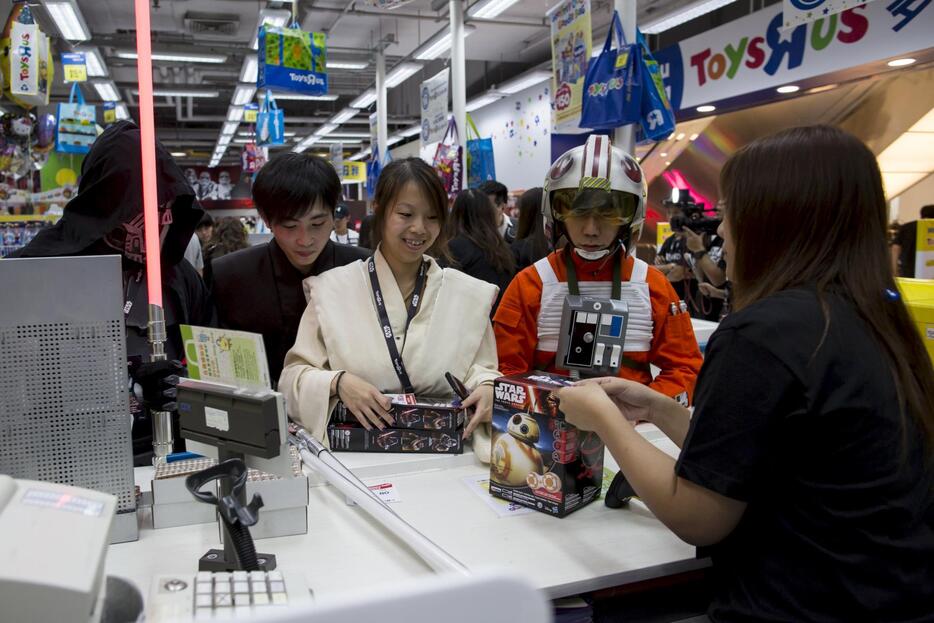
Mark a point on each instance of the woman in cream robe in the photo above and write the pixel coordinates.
(340, 330)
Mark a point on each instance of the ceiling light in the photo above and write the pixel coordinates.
(235, 113)
(351, 134)
(248, 69)
(681, 15)
(482, 100)
(330, 97)
(305, 144)
(182, 93)
(339, 141)
(901, 62)
(788, 88)
(706, 108)
(821, 89)
(326, 129)
(273, 18)
(488, 9)
(668, 164)
(523, 82)
(242, 94)
(360, 155)
(411, 131)
(69, 20)
(122, 111)
(364, 99)
(94, 62)
(178, 154)
(400, 73)
(693, 137)
(680, 136)
(910, 157)
(438, 44)
(242, 141)
(229, 128)
(346, 64)
(107, 91)
(344, 115)
(392, 139)
(224, 140)
(664, 154)
(178, 58)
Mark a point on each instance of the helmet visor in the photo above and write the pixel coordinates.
(614, 207)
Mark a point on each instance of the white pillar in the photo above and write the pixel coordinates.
(625, 137)
(382, 125)
(459, 78)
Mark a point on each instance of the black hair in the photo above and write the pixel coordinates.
(206, 221)
(927, 211)
(290, 184)
(498, 190)
(392, 180)
(474, 218)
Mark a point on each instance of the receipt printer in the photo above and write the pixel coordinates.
(593, 335)
(53, 541)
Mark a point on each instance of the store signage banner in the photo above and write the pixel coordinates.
(250, 113)
(75, 67)
(795, 12)
(924, 250)
(353, 171)
(570, 51)
(434, 104)
(755, 52)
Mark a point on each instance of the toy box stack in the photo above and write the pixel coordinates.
(538, 460)
(422, 425)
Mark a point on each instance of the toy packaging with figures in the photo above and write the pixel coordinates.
(355, 438)
(538, 460)
(413, 412)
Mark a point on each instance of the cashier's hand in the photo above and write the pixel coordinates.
(481, 400)
(637, 402)
(155, 384)
(369, 406)
(587, 407)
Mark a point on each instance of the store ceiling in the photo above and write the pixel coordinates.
(497, 50)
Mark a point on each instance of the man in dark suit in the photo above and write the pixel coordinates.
(260, 289)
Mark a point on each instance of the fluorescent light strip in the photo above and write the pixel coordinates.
(235, 113)
(345, 115)
(351, 134)
(248, 69)
(400, 73)
(229, 128)
(411, 131)
(178, 58)
(338, 141)
(330, 97)
(346, 65)
(273, 18)
(242, 94)
(95, 62)
(490, 8)
(482, 100)
(224, 140)
(682, 15)
(182, 93)
(324, 130)
(706, 108)
(439, 44)
(360, 155)
(107, 91)
(122, 111)
(365, 99)
(69, 20)
(524, 81)
(393, 139)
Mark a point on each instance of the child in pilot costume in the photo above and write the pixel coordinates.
(595, 200)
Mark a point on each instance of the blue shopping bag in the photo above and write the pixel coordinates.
(291, 59)
(657, 119)
(613, 87)
(481, 165)
(270, 123)
(77, 127)
(373, 169)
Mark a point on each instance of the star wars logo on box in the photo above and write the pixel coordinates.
(411, 412)
(538, 459)
(351, 438)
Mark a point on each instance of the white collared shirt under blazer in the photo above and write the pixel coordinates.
(340, 330)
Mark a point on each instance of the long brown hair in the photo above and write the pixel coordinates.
(806, 208)
(392, 180)
(474, 217)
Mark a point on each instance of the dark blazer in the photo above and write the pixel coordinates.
(471, 259)
(258, 290)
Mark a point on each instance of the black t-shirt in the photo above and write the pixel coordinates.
(907, 239)
(805, 428)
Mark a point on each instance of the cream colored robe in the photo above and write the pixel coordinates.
(340, 331)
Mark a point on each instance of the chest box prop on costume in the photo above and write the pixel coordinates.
(593, 335)
(411, 412)
(537, 459)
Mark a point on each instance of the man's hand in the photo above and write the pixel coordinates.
(693, 240)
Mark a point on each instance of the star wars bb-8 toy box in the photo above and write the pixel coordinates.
(537, 459)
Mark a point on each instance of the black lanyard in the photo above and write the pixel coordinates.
(573, 289)
(387, 326)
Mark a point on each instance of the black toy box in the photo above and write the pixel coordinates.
(412, 412)
(538, 460)
(355, 438)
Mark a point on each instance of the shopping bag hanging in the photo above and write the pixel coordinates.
(373, 169)
(270, 122)
(77, 127)
(481, 165)
(290, 59)
(448, 160)
(612, 89)
(657, 119)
